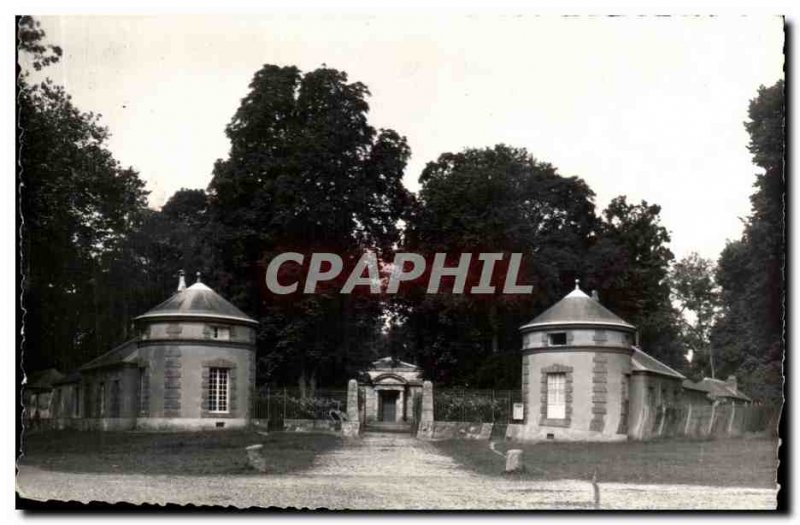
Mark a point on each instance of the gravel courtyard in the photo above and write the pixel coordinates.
(380, 471)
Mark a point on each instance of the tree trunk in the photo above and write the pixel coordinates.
(711, 362)
(312, 383)
(301, 383)
(307, 383)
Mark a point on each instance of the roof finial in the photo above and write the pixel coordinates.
(181, 281)
(198, 278)
(577, 284)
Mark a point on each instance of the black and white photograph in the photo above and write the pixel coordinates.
(405, 260)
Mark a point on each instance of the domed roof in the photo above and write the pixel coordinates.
(577, 308)
(198, 301)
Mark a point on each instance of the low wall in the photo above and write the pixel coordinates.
(188, 424)
(260, 424)
(311, 425)
(107, 423)
(461, 430)
(515, 432)
(117, 424)
(706, 421)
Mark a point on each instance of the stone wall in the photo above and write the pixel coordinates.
(589, 337)
(461, 430)
(595, 393)
(653, 400)
(311, 425)
(710, 421)
(108, 393)
(178, 379)
(189, 330)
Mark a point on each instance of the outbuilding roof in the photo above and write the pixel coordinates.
(642, 362)
(717, 388)
(198, 301)
(113, 357)
(71, 377)
(43, 379)
(577, 308)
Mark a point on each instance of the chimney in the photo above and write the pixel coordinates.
(731, 381)
(181, 281)
(595, 296)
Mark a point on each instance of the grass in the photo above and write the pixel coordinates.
(185, 453)
(724, 462)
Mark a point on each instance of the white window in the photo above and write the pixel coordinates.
(218, 390)
(556, 396)
(222, 333)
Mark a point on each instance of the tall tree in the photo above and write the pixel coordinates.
(696, 292)
(749, 335)
(496, 199)
(77, 206)
(629, 265)
(306, 172)
(169, 240)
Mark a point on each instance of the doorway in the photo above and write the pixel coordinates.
(388, 406)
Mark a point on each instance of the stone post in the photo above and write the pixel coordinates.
(426, 420)
(255, 458)
(514, 462)
(351, 427)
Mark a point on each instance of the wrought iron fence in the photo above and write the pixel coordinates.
(484, 406)
(276, 404)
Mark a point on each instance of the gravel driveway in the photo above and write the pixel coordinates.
(381, 471)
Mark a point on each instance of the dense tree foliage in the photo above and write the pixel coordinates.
(629, 266)
(697, 294)
(503, 200)
(749, 335)
(30, 42)
(306, 172)
(170, 240)
(77, 209)
(497, 199)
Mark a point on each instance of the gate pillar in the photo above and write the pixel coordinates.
(352, 426)
(426, 421)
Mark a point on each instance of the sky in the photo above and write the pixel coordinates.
(649, 107)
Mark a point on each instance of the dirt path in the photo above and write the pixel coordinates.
(381, 471)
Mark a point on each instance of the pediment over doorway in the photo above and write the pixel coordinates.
(389, 379)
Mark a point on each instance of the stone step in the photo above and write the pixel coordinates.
(385, 426)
